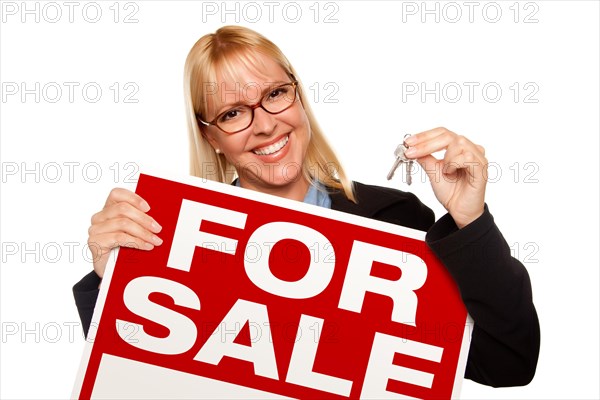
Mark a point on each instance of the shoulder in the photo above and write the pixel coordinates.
(385, 204)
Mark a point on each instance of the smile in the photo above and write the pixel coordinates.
(272, 148)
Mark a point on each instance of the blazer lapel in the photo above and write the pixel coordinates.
(370, 200)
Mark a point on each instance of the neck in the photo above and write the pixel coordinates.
(294, 191)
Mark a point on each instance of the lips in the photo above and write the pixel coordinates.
(272, 148)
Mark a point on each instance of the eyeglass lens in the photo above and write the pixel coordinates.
(240, 117)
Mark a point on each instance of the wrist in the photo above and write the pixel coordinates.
(463, 221)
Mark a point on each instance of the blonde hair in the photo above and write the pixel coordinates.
(217, 52)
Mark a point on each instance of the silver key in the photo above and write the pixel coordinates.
(400, 158)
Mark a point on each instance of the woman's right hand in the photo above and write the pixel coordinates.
(122, 222)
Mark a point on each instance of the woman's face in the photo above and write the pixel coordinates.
(269, 154)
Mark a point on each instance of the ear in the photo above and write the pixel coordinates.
(210, 137)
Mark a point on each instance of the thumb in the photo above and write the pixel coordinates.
(431, 166)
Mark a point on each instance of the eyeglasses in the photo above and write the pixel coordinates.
(238, 118)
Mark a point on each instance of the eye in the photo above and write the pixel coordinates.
(279, 92)
(232, 114)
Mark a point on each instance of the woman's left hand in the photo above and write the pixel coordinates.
(458, 180)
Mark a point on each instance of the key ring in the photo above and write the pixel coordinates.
(404, 141)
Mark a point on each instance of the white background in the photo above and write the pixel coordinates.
(548, 212)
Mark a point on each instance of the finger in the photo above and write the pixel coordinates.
(126, 210)
(417, 138)
(118, 195)
(466, 161)
(101, 244)
(126, 225)
(431, 166)
(460, 145)
(429, 143)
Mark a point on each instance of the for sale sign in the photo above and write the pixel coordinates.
(253, 296)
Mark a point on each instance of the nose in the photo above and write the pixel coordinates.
(264, 122)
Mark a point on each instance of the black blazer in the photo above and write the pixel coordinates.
(494, 286)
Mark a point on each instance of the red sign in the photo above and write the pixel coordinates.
(253, 296)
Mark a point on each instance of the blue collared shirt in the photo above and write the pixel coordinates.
(316, 194)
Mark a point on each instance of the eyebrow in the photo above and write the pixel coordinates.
(228, 106)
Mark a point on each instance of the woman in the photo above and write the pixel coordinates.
(247, 116)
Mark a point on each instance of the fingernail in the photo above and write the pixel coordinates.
(145, 206)
(411, 140)
(148, 246)
(156, 226)
(156, 240)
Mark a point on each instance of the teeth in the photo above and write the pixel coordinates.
(275, 147)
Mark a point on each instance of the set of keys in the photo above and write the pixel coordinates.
(401, 158)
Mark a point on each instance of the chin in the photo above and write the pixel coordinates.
(290, 172)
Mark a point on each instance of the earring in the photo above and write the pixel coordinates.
(218, 151)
